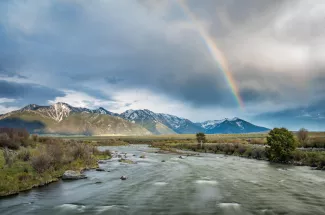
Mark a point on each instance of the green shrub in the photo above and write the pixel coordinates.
(24, 154)
(24, 176)
(281, 144)
(8, 156)
(258, 153)
(248, 152)
(299, 155)
(102, 154)
(27, 142)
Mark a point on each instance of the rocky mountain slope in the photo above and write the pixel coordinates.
(151, 120)
(63, 118)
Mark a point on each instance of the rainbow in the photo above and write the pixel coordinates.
(214, 51)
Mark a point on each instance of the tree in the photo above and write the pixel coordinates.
(200, 137)
(281, 143)
(303, 136)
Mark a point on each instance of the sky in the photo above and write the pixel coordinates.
(259, 60)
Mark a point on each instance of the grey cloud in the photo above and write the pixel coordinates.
(28, 93)
(110, 46)
(312, 117)
(113, 80)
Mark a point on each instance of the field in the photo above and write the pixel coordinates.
(316, 139)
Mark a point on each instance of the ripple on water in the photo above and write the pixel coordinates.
(160, 183)
(101, 209)
(206, 182)
(232, 205)
(77, 207)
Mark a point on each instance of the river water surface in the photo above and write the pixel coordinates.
(205, 184)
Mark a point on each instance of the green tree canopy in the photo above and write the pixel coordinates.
(281, 143)
(200, 137)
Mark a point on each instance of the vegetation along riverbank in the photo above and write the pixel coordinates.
(31, 161)
(28, 161)
(280, 145)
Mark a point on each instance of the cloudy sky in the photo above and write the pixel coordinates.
(136, 54)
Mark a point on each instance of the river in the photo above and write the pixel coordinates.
(205, 184)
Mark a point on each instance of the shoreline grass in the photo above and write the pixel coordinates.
(315, 159)
(44, 161)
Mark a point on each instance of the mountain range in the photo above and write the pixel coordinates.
(62, 118)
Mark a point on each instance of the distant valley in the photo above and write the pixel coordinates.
(62, 118)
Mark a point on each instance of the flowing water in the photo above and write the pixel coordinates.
(205, 184)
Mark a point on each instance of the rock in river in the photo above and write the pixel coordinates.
(73, 175)
(123, 177)
(100, 170)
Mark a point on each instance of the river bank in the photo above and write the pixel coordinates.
(204, 184)
(40, 163)
(314, 159)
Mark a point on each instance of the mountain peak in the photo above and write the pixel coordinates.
(30, 107)
(62, 105)
(234, 119)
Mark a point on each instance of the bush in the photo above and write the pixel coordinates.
(6, 142)
(303, 136)
(248, 152)
(317, 142)
(27, 142)
(24, 154)
(258, 153)
(102, 154)
(8, 156)
(24, 176)
(281, 144)
(200, 137)
(35, 137)
(80, 151)
(299, 155)
(44, 139)
(55, 151)
(241, 149)
(41, 162)
(15, 132)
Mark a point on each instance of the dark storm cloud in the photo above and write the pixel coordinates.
(28, 93)
(144, 59)
(254, 95)
(106, 47)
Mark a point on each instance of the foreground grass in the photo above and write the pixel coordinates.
(24, 173)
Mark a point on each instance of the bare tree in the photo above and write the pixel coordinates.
(303, 136)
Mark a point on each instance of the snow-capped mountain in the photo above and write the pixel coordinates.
(104, 111)
(61, 110)
(151, 121)
(156, 123)
(62, 118)
(179, 125)
(234, 125)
